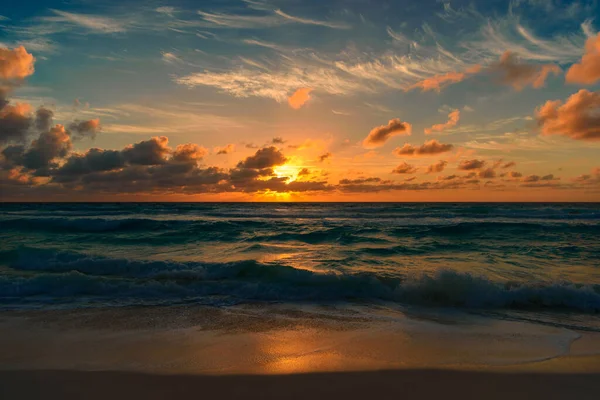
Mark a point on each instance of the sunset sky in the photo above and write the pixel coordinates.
(289, 100)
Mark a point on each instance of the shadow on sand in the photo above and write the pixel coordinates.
(376, 385)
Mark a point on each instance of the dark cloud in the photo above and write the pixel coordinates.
(148, 152)
(537, 178)
(278, 140)
(360, 181)
(380, 134)
(81, 129)
(228, 149)
(15, 121)
(324, 157)
(56, 143)
(487, 173)
(304, 172)
(263, 158)
(94, 160)
(430, 147)
(43, 119)
(467, 165)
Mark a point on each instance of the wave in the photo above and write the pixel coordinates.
(400, 227)
(47, 275)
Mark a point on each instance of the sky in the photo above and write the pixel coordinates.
(290, 100)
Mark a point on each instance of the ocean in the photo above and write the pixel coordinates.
(532, 257)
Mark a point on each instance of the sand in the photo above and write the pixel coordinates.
(300, 352)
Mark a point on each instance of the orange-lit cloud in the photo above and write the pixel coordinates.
(437, 167)
(404, 168)
(577, 118)
(380, 134)
(468, 165)
(431, 147)
(228, 149)
(587, 71)
(453, 119)
(80, 129)
(15, 64)
(189, 152)
(299, 98)
(438, 82)
(517, 74)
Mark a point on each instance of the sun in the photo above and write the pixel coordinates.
(287, 171)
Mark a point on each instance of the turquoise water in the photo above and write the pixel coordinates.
(534, 257)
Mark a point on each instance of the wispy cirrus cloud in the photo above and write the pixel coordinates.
(419, 60)
(267, 18)
(93, 23)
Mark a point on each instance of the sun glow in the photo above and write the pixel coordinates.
(287, 171)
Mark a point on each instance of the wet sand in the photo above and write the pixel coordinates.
(290, 352)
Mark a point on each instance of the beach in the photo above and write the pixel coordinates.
(304, 300)
(290, 351)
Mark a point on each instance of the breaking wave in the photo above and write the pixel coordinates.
(47, 276)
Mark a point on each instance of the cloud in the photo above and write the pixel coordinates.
(307, 21)
(81, 129)
(94, 160)
(404, 168)
(16, 64)
(269, 18)
(514, 174)
(189, 152)
(487, 173)
(360, 181)
(263, 158)
(274, 85)
(55, 143)
(453, 119)
(577, 118)
(171, 58)
(437, 82)
(299, 98)
(380, 134)
(148, 152)
(537, 178)
(430, 147)
(304, 172)
(509, 164)
(324, 157)
(15, 121)
(277, 140)
(91, 22)
(228, 149)
(587, 71)
(468, 165)
(43, 119)
(517, 74)
(437, 167)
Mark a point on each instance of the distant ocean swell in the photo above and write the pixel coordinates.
(49, 277)
(447, 226)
